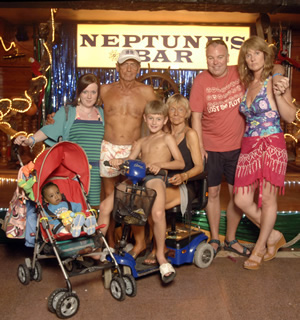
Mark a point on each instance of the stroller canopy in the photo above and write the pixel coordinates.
(64, 160)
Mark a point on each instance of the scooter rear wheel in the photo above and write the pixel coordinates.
(203, 255)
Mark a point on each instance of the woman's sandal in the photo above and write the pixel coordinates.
(277, 245)
(150, 260)
(167, 272)
(151, 257)
(136, 255)
(254, 265)
(219, 246)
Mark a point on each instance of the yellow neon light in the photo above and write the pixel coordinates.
(2, 115)
(19, 133)
(53, 11)
(5, 124)
(48, 51)
(43, 149)
(290, 136)
(12, 44)
(298, 115)
(39, 77)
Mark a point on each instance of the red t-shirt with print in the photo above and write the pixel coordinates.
(218, 100)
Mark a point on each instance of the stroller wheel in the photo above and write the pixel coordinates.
(203, 255)
(117, 288)
(54, 297)
(107, 275)
(130, 285)
(37, 275)
(67, 305)
(23, 274)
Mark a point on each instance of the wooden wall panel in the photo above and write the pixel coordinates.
(295, 55)
(14, 81)
(15, 73)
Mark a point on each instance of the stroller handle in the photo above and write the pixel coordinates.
(16, 150)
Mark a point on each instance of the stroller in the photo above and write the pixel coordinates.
(66, 165)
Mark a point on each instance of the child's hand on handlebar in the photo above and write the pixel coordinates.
(154, 168)
(115, 163)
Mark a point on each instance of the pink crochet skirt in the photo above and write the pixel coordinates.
(261, 159)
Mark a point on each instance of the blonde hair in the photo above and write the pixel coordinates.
(255, 43)
(178, 99)
(156, 107)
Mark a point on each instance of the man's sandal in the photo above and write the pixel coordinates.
(219, 246)
(228, 247)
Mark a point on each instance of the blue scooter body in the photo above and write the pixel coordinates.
(180, 251)
(180, 255)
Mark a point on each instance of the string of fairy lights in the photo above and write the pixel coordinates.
(23, 104)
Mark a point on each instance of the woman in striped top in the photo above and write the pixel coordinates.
(81, 122)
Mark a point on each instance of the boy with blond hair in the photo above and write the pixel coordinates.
(158, 151)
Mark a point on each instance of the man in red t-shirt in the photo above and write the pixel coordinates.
(215, 98)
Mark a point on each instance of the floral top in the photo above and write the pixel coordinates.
(261, 120)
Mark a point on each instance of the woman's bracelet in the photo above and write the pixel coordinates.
(277, 74)
(33, 142)
(186, 177)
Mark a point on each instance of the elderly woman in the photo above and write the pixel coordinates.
(81, 122)
(188, 144)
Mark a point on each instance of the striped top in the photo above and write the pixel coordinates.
(89, 135)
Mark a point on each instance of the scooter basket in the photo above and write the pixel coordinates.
(132, 204)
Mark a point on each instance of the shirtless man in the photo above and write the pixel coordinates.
(124, 103)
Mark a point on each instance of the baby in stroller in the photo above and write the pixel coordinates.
(65, 216)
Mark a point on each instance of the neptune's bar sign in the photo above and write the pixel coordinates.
(161, 46)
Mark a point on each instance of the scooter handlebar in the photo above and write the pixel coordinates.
(122, 166)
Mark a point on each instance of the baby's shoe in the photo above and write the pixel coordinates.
(77, 224)
(90, 225)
